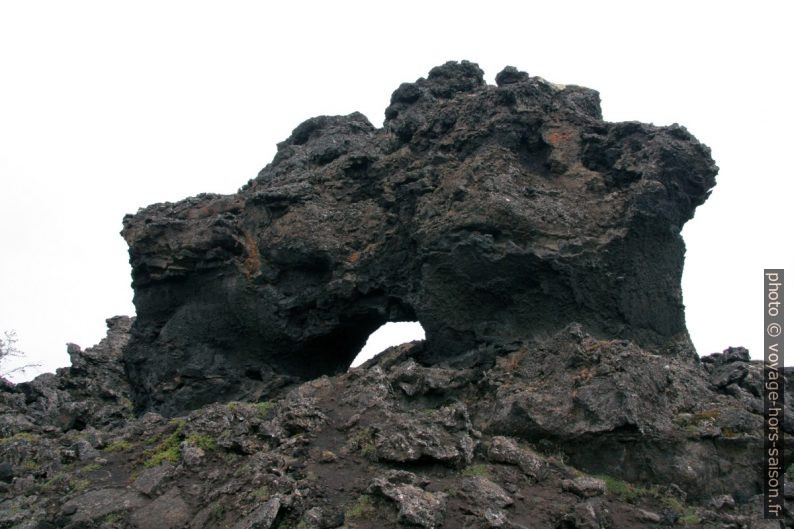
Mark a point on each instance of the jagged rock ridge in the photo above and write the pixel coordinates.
(493, 215)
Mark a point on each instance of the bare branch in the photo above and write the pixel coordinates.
(8, 349)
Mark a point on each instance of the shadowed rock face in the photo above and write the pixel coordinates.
(491, 214)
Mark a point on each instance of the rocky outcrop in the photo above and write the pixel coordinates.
(92, 393)
(491, 214)
(539, 247)
(571, 432)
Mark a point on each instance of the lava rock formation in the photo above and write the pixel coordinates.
(493, 215)
(540, 248)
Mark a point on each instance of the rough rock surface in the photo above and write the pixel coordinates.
(93, 393)
(551, 393)
(490, 214)
(561, 434)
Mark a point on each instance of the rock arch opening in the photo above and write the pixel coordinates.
(388, 335)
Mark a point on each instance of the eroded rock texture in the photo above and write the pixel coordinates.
(571, 432)
(493, 215)
(92, 393)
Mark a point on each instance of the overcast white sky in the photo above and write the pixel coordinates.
(108, 106)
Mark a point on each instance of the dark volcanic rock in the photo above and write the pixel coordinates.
(544, 437)
(490, 214)
(539, 248)
(93, 392)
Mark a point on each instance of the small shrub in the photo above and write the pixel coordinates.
(370, 451)
(230, 458)
(673, 504)
(25, 437)
(79, 485)
(262, 408)
(364, 507)
(261, 494)
(93, 467)
(709, 415)
(476, 471)
(30, 466)
(687, 515)
(626, 491)
(112, 518)
(170, 454)
(692, 430)
(168, 450)
(55, 482)
(683, 419)
(363, 442)
(119, 445)
(205, 442)
(689, 519)
(619, 488)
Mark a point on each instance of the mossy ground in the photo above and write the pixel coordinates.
(168, 449)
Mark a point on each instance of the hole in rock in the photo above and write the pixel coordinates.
(388, 335)
(253, 374)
